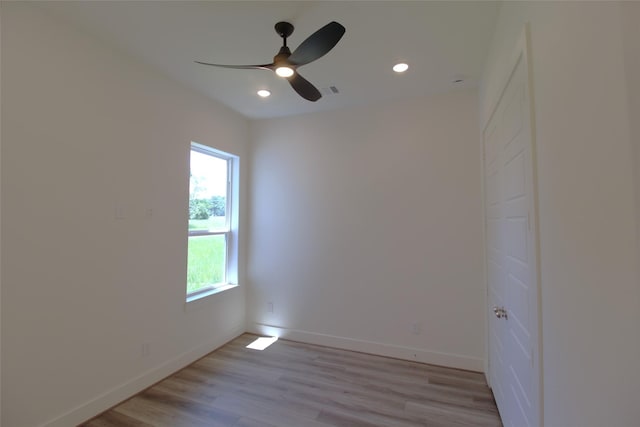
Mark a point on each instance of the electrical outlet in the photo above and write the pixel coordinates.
(120, 212)
(416, 328)
(270, 307)
(145, 349)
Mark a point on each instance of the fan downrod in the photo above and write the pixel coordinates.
(284, 29)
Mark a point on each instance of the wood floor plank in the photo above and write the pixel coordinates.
(273, 414)
(250, 422)
(335, 418)
(156, 415)
(454, 417)
(294, 384)
(115, 419)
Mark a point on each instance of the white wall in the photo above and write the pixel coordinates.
(86, 130)
(0, 222)
(365, 221)
(631, 41)
(590, 293)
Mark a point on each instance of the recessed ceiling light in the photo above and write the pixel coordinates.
(400, 68)
(263, 93)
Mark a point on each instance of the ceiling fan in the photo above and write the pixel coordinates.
(285, 63)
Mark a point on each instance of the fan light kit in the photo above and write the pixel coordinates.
(284, 71)
(285, 63)
(401, 67)
(263, 93)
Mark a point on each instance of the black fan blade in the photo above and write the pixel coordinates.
(240, 67)
(317, 44)
(304, 88)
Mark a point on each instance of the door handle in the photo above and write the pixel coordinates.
(500, 312)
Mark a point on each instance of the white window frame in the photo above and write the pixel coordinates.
(230, 230)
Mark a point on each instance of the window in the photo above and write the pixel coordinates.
(212, 247)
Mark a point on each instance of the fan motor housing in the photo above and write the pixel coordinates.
(282, 55)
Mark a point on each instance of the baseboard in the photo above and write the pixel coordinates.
(371, 347)
(124, 391)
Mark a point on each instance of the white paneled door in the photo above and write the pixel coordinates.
(511, 247)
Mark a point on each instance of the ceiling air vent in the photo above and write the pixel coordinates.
(331, 90)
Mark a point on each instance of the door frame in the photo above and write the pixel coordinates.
(521, 53)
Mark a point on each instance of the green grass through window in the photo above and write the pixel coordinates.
(213, 223)
(206, 261)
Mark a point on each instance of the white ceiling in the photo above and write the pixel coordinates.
(441, 41)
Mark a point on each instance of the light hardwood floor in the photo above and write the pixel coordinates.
(298, 385)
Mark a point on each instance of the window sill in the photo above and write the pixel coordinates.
(194, 301)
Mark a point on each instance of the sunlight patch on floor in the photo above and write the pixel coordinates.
(262, 343)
